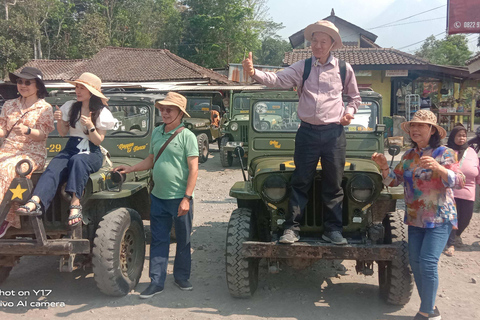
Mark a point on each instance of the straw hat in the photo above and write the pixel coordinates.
(427, 117)
(174, 99)
(327, 27)
(92, 83)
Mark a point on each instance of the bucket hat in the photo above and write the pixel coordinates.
(92, 83)
(327, 27)
(174, 99)
(427, 117)
(29, 73)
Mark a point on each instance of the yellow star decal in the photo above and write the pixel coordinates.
(18, 192)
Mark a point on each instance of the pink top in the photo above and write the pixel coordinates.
(470, 168)
(321, 100)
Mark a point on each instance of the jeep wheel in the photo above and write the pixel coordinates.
(4, 273)
(202, 140)
(119, 252)
(226, 157)
(395, 277)
(242, 273)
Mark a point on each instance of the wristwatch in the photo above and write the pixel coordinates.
(29, 130)
(92, 129)
(187, 197)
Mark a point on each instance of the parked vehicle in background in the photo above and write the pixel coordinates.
(112, 236)
(375, 231)
(235, 128)
(204, 108)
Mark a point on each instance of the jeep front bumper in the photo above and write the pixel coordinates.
(231, 145)
(319, 250)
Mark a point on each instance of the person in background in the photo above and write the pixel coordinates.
(464, 198)
(175, 174)
(425, 101)
(25, 123)
(429, 172)
(321, 133)
(86, 120)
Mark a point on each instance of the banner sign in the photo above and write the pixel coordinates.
(463, 16)
(396, 73)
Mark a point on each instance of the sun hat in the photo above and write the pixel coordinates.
(174, 99)
(92, 83)
(29, 73)
(327, 27)
(427, 117)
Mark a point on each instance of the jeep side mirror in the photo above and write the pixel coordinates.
(393, 150)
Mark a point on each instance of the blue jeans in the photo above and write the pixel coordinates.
(162, 214)
(68, 166)
(312, 142)
(425, 246)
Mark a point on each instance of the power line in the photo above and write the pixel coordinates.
(420, 41)
(402, 24)
(387, 24)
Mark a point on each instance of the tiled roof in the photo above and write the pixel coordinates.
(360, 56)
(56, 69)
(114, 64)
(473, 59)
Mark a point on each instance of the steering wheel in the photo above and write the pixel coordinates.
(123, 131)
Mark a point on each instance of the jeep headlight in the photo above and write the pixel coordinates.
(361, 188)
(234, 126)
(275, 188)
(189, 126)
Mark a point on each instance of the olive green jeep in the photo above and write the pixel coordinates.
(235, 128)
(201, 107)
(375, 231)
(112, 237)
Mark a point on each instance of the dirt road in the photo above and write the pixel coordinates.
(327, 290)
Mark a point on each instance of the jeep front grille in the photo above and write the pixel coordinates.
(314, 210)
(244, 133)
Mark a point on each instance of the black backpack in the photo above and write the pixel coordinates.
(308, 68)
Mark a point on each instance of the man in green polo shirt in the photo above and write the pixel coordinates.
(175, 174)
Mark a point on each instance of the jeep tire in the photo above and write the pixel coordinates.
(242, 273)
(202, 140)
(226, 157)
(119, 252)
(395, 277)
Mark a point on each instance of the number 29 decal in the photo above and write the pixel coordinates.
(54, 147)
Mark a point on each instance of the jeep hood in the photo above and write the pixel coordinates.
(272, 164)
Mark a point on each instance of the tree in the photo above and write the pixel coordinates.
(272, 51)
(453, 50)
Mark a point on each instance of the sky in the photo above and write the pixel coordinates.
(407, 36)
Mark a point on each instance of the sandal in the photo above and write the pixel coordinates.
(449, 251)
(78, 215)
(36, 212)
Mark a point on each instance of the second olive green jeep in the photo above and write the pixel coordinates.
(375, 231)
(205, 108)
(112, 236)
(235, 129)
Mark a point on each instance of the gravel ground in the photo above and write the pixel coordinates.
(327, 290)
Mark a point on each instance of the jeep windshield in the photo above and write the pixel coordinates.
(365, 119)
(282, 116)
(242, 104)
(275, 116)
(132, 120)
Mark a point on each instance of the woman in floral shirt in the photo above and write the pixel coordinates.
(25, 124)
(428, 172)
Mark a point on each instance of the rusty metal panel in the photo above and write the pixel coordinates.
(319, 250)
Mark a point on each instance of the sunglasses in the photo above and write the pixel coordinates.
(165, 110)
(25, 82)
